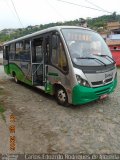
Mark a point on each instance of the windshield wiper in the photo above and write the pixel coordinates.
(104, 55)
(91, 58)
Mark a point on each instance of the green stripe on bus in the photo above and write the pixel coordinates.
(19, 73)
(49, 88)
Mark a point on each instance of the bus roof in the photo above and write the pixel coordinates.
(44, 31)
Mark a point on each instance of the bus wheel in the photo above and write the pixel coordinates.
(61, 96)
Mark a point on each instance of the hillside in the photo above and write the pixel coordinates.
(98, 24)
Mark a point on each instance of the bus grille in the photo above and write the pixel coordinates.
(101, 82)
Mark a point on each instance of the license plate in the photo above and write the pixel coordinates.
(104, 96)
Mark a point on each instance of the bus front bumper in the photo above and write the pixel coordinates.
(82, 95)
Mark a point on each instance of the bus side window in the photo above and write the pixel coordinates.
(62, 63)
(19, 51)
(37, 55)
(27, 50)
(47, 50)
(12, 51)
(54, 57)
(58, 57)
(6, 52)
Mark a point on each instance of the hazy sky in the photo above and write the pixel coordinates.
(33, 12)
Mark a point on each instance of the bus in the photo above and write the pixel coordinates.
(72, 63)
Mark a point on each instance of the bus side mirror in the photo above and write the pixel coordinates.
(54, 41)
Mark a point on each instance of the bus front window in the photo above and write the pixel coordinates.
(87, 48)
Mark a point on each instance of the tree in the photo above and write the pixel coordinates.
(114, 16)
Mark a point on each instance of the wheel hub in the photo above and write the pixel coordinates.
(61, 95)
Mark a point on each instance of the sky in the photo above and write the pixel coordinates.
(36, 12)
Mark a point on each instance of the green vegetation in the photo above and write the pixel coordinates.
(93, 23)
(2, 110)
(103, 20)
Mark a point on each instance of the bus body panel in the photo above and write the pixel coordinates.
(100, 79)
(55, 76)
(82, 95)
(21, 75)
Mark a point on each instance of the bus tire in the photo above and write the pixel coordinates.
(61, 96)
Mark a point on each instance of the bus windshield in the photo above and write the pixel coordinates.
(87, 48)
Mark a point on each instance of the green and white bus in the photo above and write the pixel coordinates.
(72, 63)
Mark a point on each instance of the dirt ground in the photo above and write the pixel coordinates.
(42, 126)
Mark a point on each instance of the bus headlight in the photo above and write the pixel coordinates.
(82, 81)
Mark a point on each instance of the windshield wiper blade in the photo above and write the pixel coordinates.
(102, 55)
(91, 58)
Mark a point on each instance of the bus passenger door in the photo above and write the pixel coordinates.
(38, 62)
(46, 61)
